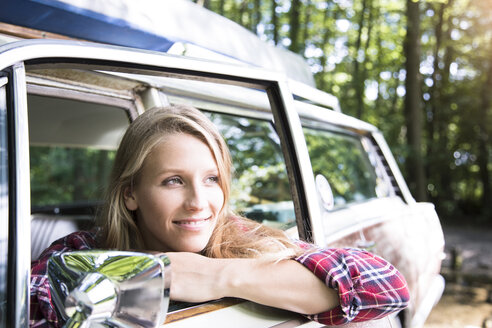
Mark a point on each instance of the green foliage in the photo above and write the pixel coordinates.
(340, 159)
(260, 175)
(355, 49)
(68, 175)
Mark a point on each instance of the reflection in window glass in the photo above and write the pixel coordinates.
(344, 163)
(260, 186)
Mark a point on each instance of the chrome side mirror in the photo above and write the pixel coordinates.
(110, 288)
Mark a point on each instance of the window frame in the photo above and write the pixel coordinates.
(4, 201)
(19, 207)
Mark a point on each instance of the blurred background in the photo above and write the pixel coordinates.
(421, 71)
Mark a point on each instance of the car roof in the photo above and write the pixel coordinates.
(205, 95)
(171, 26)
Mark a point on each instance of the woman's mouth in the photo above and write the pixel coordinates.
(193, 224)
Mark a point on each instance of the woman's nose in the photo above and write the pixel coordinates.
(196, 198)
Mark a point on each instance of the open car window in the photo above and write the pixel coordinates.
(69, 171)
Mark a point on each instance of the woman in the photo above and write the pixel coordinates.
(169, 192)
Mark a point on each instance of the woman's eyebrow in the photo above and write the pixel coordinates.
(167, 171)
(181, 171)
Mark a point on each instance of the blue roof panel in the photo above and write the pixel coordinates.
(153, 25)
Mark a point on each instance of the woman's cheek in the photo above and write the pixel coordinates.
(219, 199)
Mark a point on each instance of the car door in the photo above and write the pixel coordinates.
(366, 204)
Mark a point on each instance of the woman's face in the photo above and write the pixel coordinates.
(177, 196)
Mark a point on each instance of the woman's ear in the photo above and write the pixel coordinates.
(130, 200)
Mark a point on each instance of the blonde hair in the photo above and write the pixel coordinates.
(233, 236)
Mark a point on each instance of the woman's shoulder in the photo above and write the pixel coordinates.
(79, 240)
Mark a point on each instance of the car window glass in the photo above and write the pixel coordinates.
(342, 160)
(260, 187)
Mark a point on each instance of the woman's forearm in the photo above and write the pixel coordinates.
(366, 285)
(285, 284)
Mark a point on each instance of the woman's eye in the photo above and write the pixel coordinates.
(172, 181)
(213, 179)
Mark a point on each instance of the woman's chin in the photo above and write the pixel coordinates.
(194, 246)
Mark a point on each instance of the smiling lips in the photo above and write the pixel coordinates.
(192, 224)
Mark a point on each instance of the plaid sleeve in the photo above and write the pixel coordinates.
(42, 312)
(368, 286)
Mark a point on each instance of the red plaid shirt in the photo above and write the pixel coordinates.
(368, 286)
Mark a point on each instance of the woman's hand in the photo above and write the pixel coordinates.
(195, 278)
(285, 284)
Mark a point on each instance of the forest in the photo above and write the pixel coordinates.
(421, 71)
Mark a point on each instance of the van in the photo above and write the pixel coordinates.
(300, 163)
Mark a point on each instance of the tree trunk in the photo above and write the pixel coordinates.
(274, 22)
(257, 15)
(357, 83)
(232, 13)
(483, 138)
(307, 20)
(413, 103)
(440, 102)
(394, 100)
(442, 123)
(379, 100)
(242, 10)
(363, 73)
(434, 161)
(203, 3)
(221, 7)
(294, 26)
(324, 58)
(436, 78)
